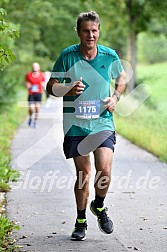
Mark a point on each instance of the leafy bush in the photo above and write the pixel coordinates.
(8, 32)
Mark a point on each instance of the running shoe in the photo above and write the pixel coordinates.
(35, 124)
(29, 122)
(104, 222)
(79, 232)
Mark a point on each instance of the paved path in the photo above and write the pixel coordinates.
(43, 203)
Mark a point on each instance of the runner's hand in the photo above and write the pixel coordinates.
(28, 85)
(111, 103)
(77, 87)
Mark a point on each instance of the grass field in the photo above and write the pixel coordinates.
(147, 126)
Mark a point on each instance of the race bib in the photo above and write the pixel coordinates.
(87, 109)
(34, 88)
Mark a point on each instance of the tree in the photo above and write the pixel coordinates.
(44, 31)
(8, 32)
(48, 26)
(140, 14)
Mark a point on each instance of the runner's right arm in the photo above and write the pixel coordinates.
(55, 88)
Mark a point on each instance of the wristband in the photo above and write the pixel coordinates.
(117, 96)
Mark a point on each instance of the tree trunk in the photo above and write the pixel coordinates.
(132, 51)
(132, 57)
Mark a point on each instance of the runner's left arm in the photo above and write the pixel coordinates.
(120, 84)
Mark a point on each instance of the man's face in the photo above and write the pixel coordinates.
(35, 67)
(89, 34)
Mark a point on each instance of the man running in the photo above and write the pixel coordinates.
(82, 75)
(34, 82)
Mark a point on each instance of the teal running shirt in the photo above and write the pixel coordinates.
(84, 114)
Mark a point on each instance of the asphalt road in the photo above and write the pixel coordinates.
(43, 203)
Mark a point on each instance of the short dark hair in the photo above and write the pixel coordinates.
(87, 16)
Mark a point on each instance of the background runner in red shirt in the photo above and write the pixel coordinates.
(34, 81)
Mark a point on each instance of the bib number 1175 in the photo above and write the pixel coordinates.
(87, 109)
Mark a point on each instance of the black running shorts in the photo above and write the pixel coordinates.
(33, 98)
(82, 145)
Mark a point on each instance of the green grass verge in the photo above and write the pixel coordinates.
(147, 125)
(6, 242)
(10, 119)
